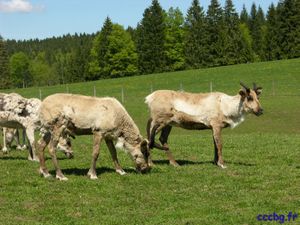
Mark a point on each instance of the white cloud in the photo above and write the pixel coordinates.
(17, 6)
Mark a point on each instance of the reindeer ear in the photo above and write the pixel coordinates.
(243, 93)
(258, 91)
(144, 144)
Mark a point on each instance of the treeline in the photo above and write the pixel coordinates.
(162, 41)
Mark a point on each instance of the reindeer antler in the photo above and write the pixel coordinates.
(244, 86)
(255, 88)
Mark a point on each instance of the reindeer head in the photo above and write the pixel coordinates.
(140, 156)
(250, 99)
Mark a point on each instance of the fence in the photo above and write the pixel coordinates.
(123, 92)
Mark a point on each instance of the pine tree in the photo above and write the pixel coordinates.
(244, 16)
(151, 38)
(196, 37)
(98, 52)
(272, 46)
(4, 65)
(289, 28)
(257, 30)
(216, 34)
(174, 40)
(233, 45)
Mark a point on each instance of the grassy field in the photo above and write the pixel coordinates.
(262, 155)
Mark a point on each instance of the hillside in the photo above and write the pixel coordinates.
(279, 79)
(262, 156)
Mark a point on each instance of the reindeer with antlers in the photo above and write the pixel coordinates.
(199, 111)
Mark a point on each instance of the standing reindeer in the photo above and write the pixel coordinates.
(201, 111)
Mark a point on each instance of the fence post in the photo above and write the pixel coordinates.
(181, 87)
(211, 86)
(151, 88)
(122, 95)
(95, 91)
(40, 91)
(67, 88)
(273, 88)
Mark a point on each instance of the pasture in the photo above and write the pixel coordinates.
(262, 156)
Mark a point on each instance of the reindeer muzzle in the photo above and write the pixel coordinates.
(259, 112)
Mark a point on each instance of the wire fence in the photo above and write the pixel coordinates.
(125, 92)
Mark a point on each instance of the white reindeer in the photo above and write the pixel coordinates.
(104, 118)
(18, 112)
(10, 135)
(191, 111)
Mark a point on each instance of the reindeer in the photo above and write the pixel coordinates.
(200, 111)
(104, 118)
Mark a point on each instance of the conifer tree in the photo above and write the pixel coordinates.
(289, 28)
(99, 50)
(272, 45)
(244, 16)
(216, 34)
(4, 65)
(150, 40)
(233, 45)
(256, 26)
(195, 40)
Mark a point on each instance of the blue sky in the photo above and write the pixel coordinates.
(26, 19)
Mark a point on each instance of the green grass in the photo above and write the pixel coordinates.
(262, 155)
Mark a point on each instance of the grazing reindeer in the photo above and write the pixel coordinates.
(104, 118)
(201, 111)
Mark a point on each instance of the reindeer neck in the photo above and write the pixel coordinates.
(232, 107)
(129, 131)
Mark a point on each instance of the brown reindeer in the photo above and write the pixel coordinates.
(199, 111)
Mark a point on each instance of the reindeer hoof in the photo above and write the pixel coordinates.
(121, 172)
(92, 175)
(5, 150)
(222, 165)
(61, 177)
(45, 174)
(35, 159)
(174, 163)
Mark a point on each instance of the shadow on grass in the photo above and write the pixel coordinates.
(83, 172)
(11, 157)
(188, 162)
(8, 157)
(181, 162)
(240, 163)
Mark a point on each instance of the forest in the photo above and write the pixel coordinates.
(164, 40)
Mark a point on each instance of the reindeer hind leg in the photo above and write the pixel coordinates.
(164, 141)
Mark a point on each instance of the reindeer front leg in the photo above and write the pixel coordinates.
(218, 147)
(30, 136)
(96, 148)
(4, 148)
(41, 145)
(56, 133)
(113, 153)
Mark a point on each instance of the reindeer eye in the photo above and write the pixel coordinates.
(249, 98)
